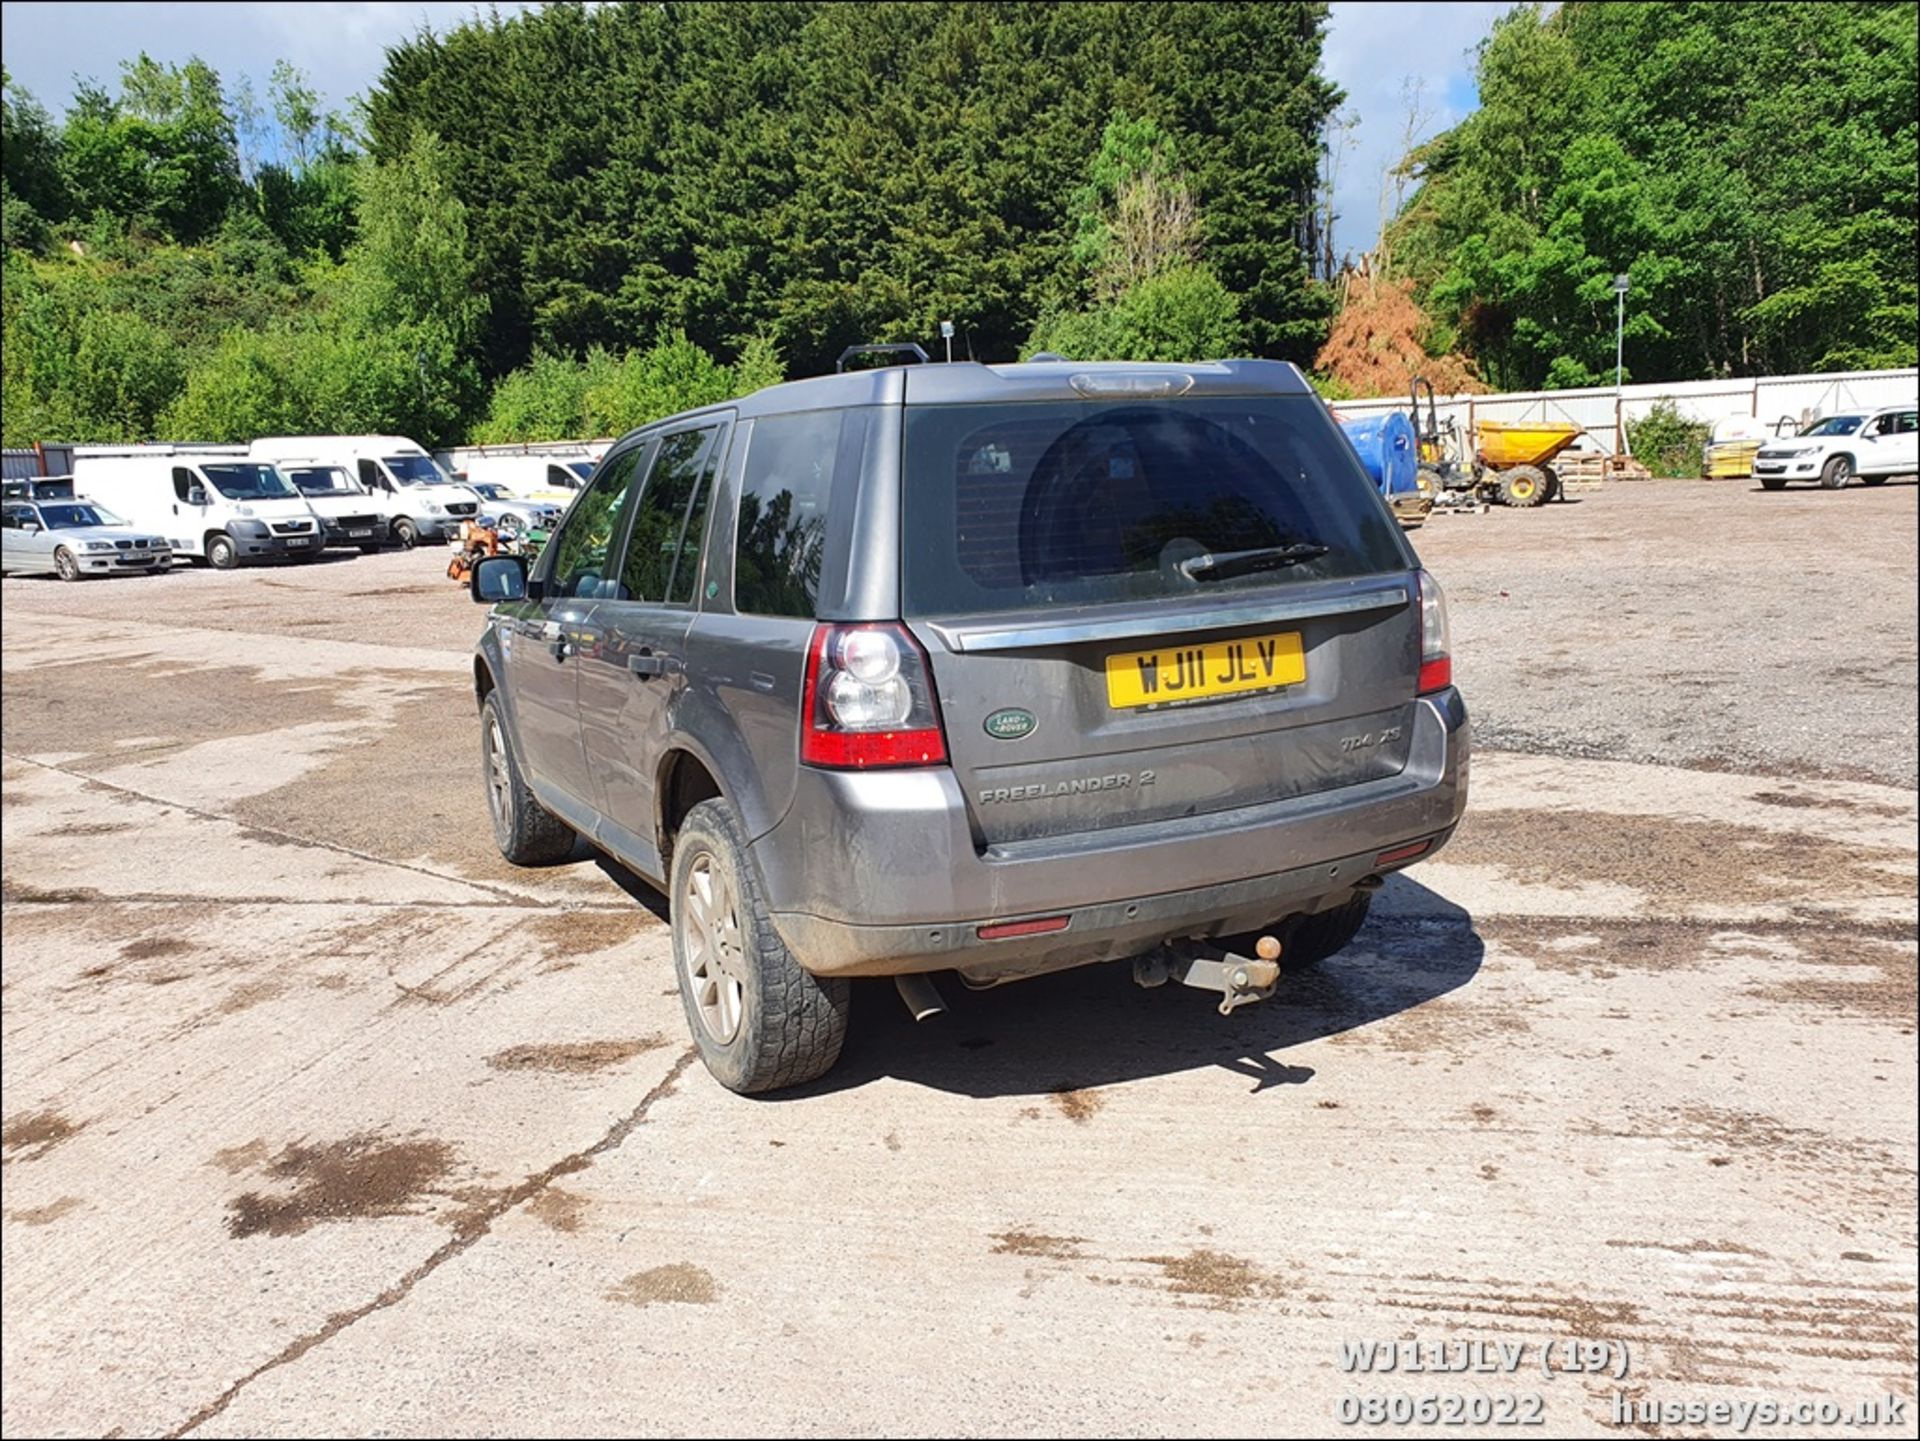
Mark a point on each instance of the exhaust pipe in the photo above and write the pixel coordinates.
(922, 998)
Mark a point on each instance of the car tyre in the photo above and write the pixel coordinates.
(1873, 480)
(760, 1020)
(222, 552)
(1836, 473)
(527, 833)
(64, 565)
(405, 534)
(1311, 939)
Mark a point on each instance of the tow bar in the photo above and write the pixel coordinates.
(1240, 980)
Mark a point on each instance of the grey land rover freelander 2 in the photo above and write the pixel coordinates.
(987, 668)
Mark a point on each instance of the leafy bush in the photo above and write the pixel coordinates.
(1666, 442)
(555, 398)
(1180, 314)
(75, 366)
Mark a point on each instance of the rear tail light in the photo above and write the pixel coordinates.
(1436, 647)
(869, 700)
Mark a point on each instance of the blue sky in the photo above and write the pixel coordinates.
(1371, 50)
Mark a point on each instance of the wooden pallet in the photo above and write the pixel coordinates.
(1591, 470)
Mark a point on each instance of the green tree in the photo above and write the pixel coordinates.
(1182, 314)
(30, 179)
(1137, 240)
(828, 174)
(1751, 168)
(163, 156)
(306, 195)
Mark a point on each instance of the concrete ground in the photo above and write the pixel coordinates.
(321, 1119)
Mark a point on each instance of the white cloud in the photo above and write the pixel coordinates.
(1372, 50)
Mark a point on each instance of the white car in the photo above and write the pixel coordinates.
(1871, 444)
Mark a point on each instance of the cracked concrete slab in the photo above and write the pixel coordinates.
(321, 1119)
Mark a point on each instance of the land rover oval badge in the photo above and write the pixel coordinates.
(1011, 724)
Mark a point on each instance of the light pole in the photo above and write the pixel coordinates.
(1620, 284)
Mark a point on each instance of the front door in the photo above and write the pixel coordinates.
(548, 634)
(190, 514)
(634, 667)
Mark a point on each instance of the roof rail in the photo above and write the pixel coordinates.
(905, 348)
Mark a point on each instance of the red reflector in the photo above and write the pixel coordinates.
(1022, 928)
(1435, 675)
(1401, 853)
(856, 750)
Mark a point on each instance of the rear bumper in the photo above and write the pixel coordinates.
(879, 873)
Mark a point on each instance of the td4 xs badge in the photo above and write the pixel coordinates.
(1011, 724)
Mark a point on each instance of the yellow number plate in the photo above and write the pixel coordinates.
(1172, 673)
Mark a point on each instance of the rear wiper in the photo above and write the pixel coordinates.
(1226, 564)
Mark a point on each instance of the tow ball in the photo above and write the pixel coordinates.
(1240, 980)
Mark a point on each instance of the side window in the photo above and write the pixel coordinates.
(10, 517)
(580, 564)
(663, 551)
(370, 475)
(560, 478)
(1905, 423)
(782, 530)
(183, 481)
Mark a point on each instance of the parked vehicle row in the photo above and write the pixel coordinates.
(282, 497)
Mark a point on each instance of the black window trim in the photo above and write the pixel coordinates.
(617, 548)
(841, 498)
(723, 421)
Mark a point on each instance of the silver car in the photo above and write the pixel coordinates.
(74, 539)
(496, 500)
(982, 669)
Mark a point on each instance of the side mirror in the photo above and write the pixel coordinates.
(498, 578)
(196, 495)
(31, 527)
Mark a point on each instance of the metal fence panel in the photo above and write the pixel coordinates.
(1600, 410)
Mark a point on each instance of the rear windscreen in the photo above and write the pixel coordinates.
(1066, 503)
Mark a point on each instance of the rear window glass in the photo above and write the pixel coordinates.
(781, 536)
(1015, 506)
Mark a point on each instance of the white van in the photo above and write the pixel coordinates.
(414, 496)
(348, 513)
(533, 477)
(211, 502)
